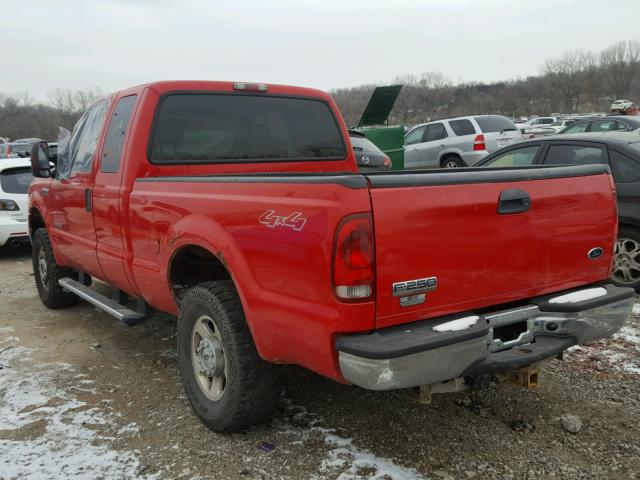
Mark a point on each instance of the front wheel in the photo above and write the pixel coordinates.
(626, 261)
(47, 273)
(229, 386)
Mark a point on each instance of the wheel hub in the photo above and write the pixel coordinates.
(210, 357)
(42, 267)
(624, 260)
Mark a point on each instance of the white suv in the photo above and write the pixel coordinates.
(15, 178)
(457, 142)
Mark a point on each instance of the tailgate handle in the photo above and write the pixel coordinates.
(513, 201)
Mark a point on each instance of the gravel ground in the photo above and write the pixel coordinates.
(82, 396)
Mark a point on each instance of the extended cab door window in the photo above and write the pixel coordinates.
(116, 133)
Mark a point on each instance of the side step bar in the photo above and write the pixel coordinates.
(98, 300)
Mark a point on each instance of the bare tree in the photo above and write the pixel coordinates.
(567, 74)
(70, 104)
(620, 64)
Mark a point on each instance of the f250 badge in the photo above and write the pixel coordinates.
(411, 287)
(294, 221)
(413, 292)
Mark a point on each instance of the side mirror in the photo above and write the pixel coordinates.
(40, 166)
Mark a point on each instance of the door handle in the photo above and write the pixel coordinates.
(87, 199)
(442, 145)
(513, 201)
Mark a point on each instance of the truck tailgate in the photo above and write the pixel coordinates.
(444, 230)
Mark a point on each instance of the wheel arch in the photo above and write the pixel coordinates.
(629, 222)
(195, 258)
(450, 153)
(36, 221)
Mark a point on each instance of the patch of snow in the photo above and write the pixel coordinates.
(130, 429)
(344, 460)
(457, 325)
(580, 296)
(636, 308)
(49, 434)
(352, 461)
(620, 354)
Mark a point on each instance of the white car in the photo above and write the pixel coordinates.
(621, 105)
(562, 124)
(536, 123)
(15, 178)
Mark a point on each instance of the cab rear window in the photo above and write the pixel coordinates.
(16, 180)
(219, 128)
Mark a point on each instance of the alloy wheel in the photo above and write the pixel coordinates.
(626, 262)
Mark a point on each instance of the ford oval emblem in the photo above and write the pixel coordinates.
(595, 253)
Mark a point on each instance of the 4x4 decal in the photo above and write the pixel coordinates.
(294, 220)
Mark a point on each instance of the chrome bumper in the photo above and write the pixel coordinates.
(415, 355)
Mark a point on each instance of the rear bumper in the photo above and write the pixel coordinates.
(415, 355)
(13, 230)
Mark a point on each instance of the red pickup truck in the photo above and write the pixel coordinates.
(239, 208)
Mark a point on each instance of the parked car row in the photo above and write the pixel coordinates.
(457, 142)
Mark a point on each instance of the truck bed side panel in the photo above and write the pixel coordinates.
(282, 271)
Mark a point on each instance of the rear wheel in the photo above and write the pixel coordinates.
(626, 262)
(47, 273)
(452, 161)
(230, 387)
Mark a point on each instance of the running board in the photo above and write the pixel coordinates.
(113, 308)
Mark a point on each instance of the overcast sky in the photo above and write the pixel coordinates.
(112, 44)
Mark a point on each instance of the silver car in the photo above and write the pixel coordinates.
(457, 142)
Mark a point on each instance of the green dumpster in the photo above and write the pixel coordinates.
(374, 124)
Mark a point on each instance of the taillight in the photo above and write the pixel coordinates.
(353, 258)
(386, 162)
(478, 143)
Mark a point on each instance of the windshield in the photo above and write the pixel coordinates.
(217, 128)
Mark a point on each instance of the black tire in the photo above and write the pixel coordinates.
(624, 261)
(251, 387)
(50, 291)
(452, 161)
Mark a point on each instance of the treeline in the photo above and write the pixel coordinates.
(22, 117)
(575, 82)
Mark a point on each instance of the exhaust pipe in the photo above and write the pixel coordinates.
(15, 242)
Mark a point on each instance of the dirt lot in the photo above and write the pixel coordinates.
(82, 396)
